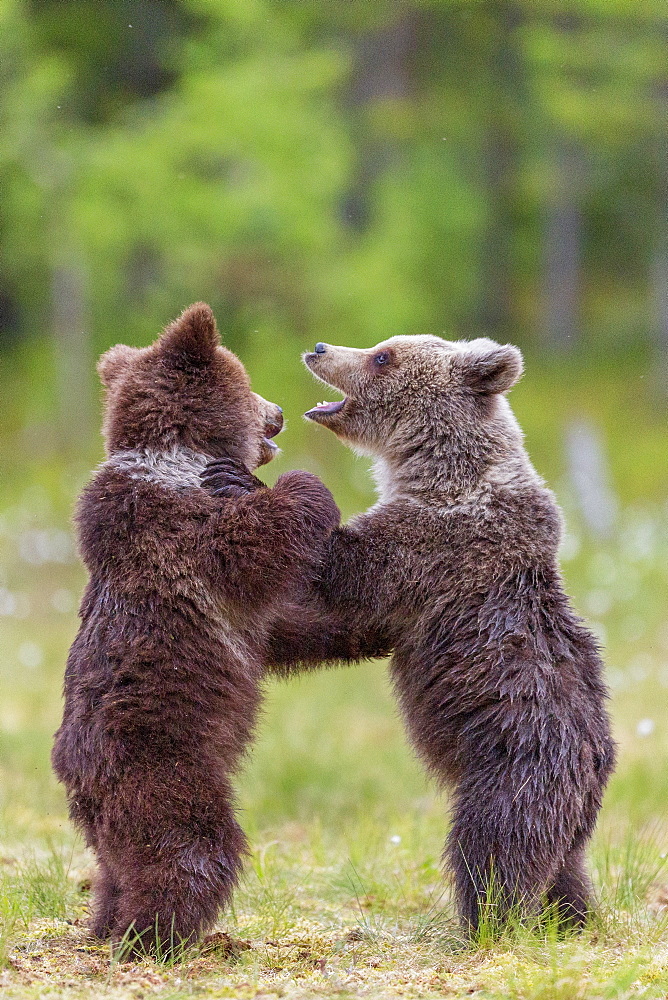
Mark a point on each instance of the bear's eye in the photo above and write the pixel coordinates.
(382, 358)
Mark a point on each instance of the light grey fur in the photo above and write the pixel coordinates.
(177, 469)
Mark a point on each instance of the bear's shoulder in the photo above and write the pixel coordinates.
(125, 517)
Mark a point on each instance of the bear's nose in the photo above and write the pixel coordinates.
(320, 348)
(279, 408)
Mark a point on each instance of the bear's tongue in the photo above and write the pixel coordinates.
(328, 407)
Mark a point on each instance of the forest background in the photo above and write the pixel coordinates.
(340, 172)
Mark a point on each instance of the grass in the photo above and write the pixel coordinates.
(343, 895)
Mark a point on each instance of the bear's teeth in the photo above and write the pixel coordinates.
(325, 407)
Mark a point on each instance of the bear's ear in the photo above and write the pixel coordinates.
(193, 337)
(491, 368)
(115, 362)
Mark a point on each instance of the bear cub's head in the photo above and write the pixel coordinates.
(186, 390)
(411, 390)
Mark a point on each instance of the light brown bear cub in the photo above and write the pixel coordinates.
(163, 680)
(455, 567)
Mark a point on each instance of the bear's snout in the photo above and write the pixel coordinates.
(274, 423)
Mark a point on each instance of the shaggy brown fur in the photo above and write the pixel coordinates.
(456, 568)
(163, 680)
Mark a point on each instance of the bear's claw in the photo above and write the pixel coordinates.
(223, 477)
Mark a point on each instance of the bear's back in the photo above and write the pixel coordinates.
(156, 638)
(140, 523)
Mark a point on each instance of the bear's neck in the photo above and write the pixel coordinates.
(446, 471)
(176, 467)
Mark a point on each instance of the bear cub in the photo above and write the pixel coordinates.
(499, 682)
(163, 680)
(456, 568)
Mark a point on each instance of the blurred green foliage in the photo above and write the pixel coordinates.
(323, 171)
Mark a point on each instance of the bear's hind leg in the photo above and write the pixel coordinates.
(502, 863)
(104, 902)
(167, 901)
(571, 891)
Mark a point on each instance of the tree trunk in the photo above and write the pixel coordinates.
(500, 162)
(383, 71)
(73, 356)
(563, 251)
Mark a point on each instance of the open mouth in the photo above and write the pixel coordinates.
(271, 429)
(271, 445)
(323, 408)
(269, 448)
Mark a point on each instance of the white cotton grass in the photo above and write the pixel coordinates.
(46, 545)
(63, 601)
(30, 655)
(645, 727)
(8, 603)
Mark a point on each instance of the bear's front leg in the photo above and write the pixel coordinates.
(262, 542)
(313, 628)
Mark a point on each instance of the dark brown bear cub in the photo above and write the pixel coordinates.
(163, 679)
